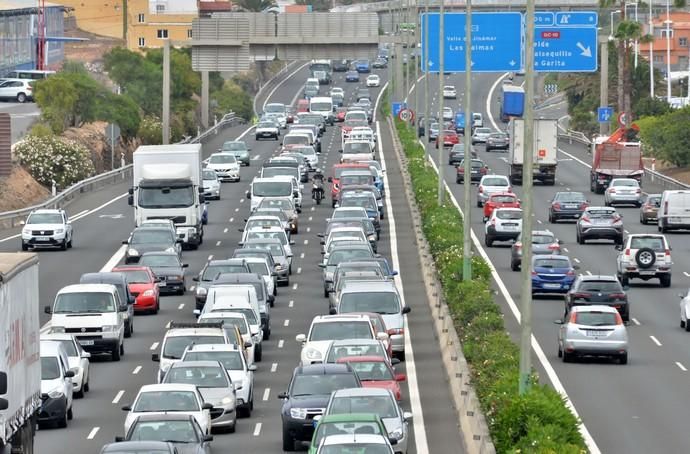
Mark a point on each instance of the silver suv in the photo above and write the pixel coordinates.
(644, 256)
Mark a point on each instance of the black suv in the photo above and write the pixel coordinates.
(307, 396)
(600, 290)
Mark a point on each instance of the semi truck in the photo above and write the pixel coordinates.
(544, 155)
(167, 185)
(512, 102)
(616, 156)
(20, 363)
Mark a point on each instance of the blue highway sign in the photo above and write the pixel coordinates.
(576, 19)
(542, 19)
(396, 107)
(570, 45)
(605, 114)
(496, 42)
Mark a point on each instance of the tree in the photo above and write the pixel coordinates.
(232, 98)
(56, 96)
(317, 5)
(256, 6)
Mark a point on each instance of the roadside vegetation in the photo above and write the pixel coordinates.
(537, 422)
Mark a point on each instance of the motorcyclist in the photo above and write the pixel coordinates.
(317, 179)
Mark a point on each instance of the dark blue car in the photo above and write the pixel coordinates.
(362, 66)
(352, 76)
(552, 274)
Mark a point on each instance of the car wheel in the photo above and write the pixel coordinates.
(515, 266)
(128, 329)
(551, 218)
(231, 429)
(158, 307)
(665, 280)
(567, 357)
(267, 334)
(682, 323)
(87, 387)
(488, 241)
(79, 394)
(687, 327)
(623, 358)
(69, 243)
(625, 281)
(580, 240)
(288, 441)
(21, 97)
(24, 247)
(256, 138)
(325, 293)
(63, 246)
(62, 423)
(560, 352)
(70, 413)
(258, 353)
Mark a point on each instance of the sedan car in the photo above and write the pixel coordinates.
(593, 331)
(78, 360)
(239, 149)
(182, 431)
(497, 141)
(552, 274)
(226, 166)
(336, 432)
(151, 239)
(20, 90)
(598, 223)
(481, 135)
(449, 92)
(600, 290)
(491, 184)
(623, 191)
(373, 80)
(650, 208)
(379, 63)
(139, 447)
(168, 268)
(567, 205)
(352, 76)
(211, 184)
(544, 242)
(143, 285)
(267, 129)
(457, 153)
(448, 113)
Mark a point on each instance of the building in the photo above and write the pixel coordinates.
(18, 35)
(679, 32)
(100, 17)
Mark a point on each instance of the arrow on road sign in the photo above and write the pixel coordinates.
(586, 51)
(431, 63)
(512, 62)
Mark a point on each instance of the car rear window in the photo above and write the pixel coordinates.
(542, 239)
(495, 182)
(595, 318)
(503, 199)
(509, 214)
(630, 183)
(600, 286)
(655, 243)
(570, 196)
(552, 263)
(601, 213)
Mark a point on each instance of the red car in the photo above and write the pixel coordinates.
(335, 179)
(500, 200)
(450, 138)
(302, 106)
(143, 285)
(375, 372)
(340, 114)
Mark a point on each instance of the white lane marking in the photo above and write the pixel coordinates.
(686, 274)
(274, 367)
(267, 392)
(236, 210)
(301, 255)
(231, 219)
(421, 444)
(565, 250)
(575, 158)
(218, 243)
(281, 342)
(681, 367)
(154, 346)
(538, 351)
(210, 257)
(656, 341)
(225, 230)
(488, 101)
(115, 259)
(241, 200)
(306, 242)
(291, 303)
(79, 215)
(167, 325)
(308, 229)
(299, 270)
(635, 321)
(136, 370)
(294, 286)
(257, 429)
(180, 307)
(191, 289)
(93, 433)
(576, 260)
(118, 396)
(588, 272)
(538, 221)
(312, 208)
(287, 322)
(310, 217)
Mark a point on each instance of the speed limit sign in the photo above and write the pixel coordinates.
(406, 115)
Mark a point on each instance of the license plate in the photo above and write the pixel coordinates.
(647, 273)
(510, 227)
(570, 207)
(552, 286)
(674, 220)
(595, 333)
(599, 221)
(42, 238)
(85, 342)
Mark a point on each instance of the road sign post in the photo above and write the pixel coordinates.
(112, 132)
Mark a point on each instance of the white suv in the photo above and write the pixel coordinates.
(505, 224)
(644, 256)
(449, 92)
(47, 228)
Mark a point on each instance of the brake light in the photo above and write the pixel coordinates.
(619, 320)
(396, 331)
(534, 273)
(583, 205)
(612, 190)
(627, 252)
(585, 218)
(554, 247)
(461, 170)
(570, 273)
(493, 221)
(480, 190)
(581, 295)
(619, 296)
(667, 252)
(29, 88)
(556, 206)
(484, 170)
(573, 317)
(638, 191)
(518, 245)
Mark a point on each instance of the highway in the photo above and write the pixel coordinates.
(22, 116)
(102, 220)
(637, 408)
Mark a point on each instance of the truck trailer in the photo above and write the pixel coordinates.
(615, 156)
(544, 155)
(512, 102)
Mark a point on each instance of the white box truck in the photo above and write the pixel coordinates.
(544, 155)
(20, 361)
(167, 185)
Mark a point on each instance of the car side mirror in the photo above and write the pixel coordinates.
(119, 439)
(333, 311)
(69, 373)
(48, 310)
(22, 222)
(179, 241)
(320, 265)
(395, 361)
(559, 241)
(185, 265)
(130, 200)
(618, 247)
(248, 194)
(253, 368)
(283, 395)
(406, 310)
(131, 300)
(558, 321)
(330, 180)
(155, 357)
(196, 312)
(195, 279)
(407, 416)
(86, 355)
(393, 441)
(208, 438)
(301, 338)
(576, 267)
(126, 408)
(122, 308)
(125, 241)
(237, 386)
(207, 406)
(292, 242)
(400, 377)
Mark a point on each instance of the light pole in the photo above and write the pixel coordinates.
(467, 162)
(611, 36)
(651, 53)
(668, 52)
(441, 124)
(626, 15)
(426, 72)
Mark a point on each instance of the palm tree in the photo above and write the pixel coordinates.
(256, 6)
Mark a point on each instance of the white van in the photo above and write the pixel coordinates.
(94, 314)
(674, 211)
(322, 105)
(56, 385)
(29, 74)
(269, 187)
(221, 295)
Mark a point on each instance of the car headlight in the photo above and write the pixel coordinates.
(256, 338)
(170, 249)
(56, 394)
(201, 291)
(312, 354)
(148, 293)
(109, 328)
(132, 252)
(57, 329)
(26, 231)
(227, 400)
(298, 413)
(59, 230)
(397, 434)
(372, 237)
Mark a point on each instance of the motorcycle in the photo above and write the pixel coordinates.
(317, 191)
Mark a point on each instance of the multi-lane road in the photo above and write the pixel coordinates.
(102, 220)
(637, 408)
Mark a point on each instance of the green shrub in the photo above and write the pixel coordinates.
(150, 131)
(537, 422)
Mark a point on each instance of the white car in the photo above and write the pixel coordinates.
(225, 165)
(449, 92)
(477, 120)
(47, 228)
(685, 310)
(373, 80)
(490, 184)
(625, 191)
(165, 398)
(480, 135)
(267, 129)
(327, 328)
(241, 373)
(447, 114)
(228, 319)
(504, 224)
(211, 184)
(19, 90)
(78, 360)
(270, 232)
(56, 385)
(337, 91)
(260, 266)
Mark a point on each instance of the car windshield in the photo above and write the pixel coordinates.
(498, 136)
(283, 204)
(343, 351)
(296, 140)
(347, 255)
(50, 370)
(260, 234)
(629, 183)
(600, 286)
(148, 236)
(379, 302)
(166, 197)
(372, 370)
(542, 239)
(45, 218)
(306, 151)
(266, 124)
(570, 197)
(347, 180)
(509, 214)
(595, 318)
(356, 147)
(161, 260)
(358, 447)
(551, 263)
(248, 312)
(601, 213)
(70, 348)
(272, 189)
(80, 302)
(356, 115)
(157, 401)
(321, 106)
(212, 271)
(231, 360)
(234, 146)
(495, 182)
(383, 406)
(259, 268)
(175, 345)
(223, 159)
(503, 199)
(309, 385)
(365, 202)
(209, 175)
(652, 242)
(255, 223)
(275, 249)
(482, 130)
(203, 377)
(654, 201)
(165, 430)
(341, 330)
(279, 108)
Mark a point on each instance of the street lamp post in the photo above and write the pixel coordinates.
(636, 44)
(651, 53)
(668, 53)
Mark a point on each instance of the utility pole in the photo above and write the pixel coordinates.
(604, 84)
(124, 22)
(416, 62)
(441, 54)
(166, 91)
(668, 52)
(426, 72)
(526, 275)
(406, 67)
(204, 99)
(466, 222)
(651, 53)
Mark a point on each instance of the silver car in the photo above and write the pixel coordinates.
(593, 331)
(625, 191)
(600, 223)
(543, 242)
(211, 184)
(378, 401)
(480, 135)
(491, 184)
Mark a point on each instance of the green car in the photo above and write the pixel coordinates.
(239, 149)
(346, 423)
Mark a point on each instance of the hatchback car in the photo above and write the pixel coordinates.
(20, 90)
(623, 191)
(448, 113)
(239, 148)
(505, 224)
(449, 92)
(500, 200)
(433, 131)
(143, 285)
(450, 138)
(644, 256)
(457, 153)
(267, 129)
(497, 141)
(543, 242)
(567, 205)
(373, 80)
(597, 223)
(552, 274)
(169, 270)
(491, 184)
(481, 135)
(350, 433)
(352, 76)
(649, 211)
(593, 331)
(599, 290)
(181, 431)
(211, 184)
